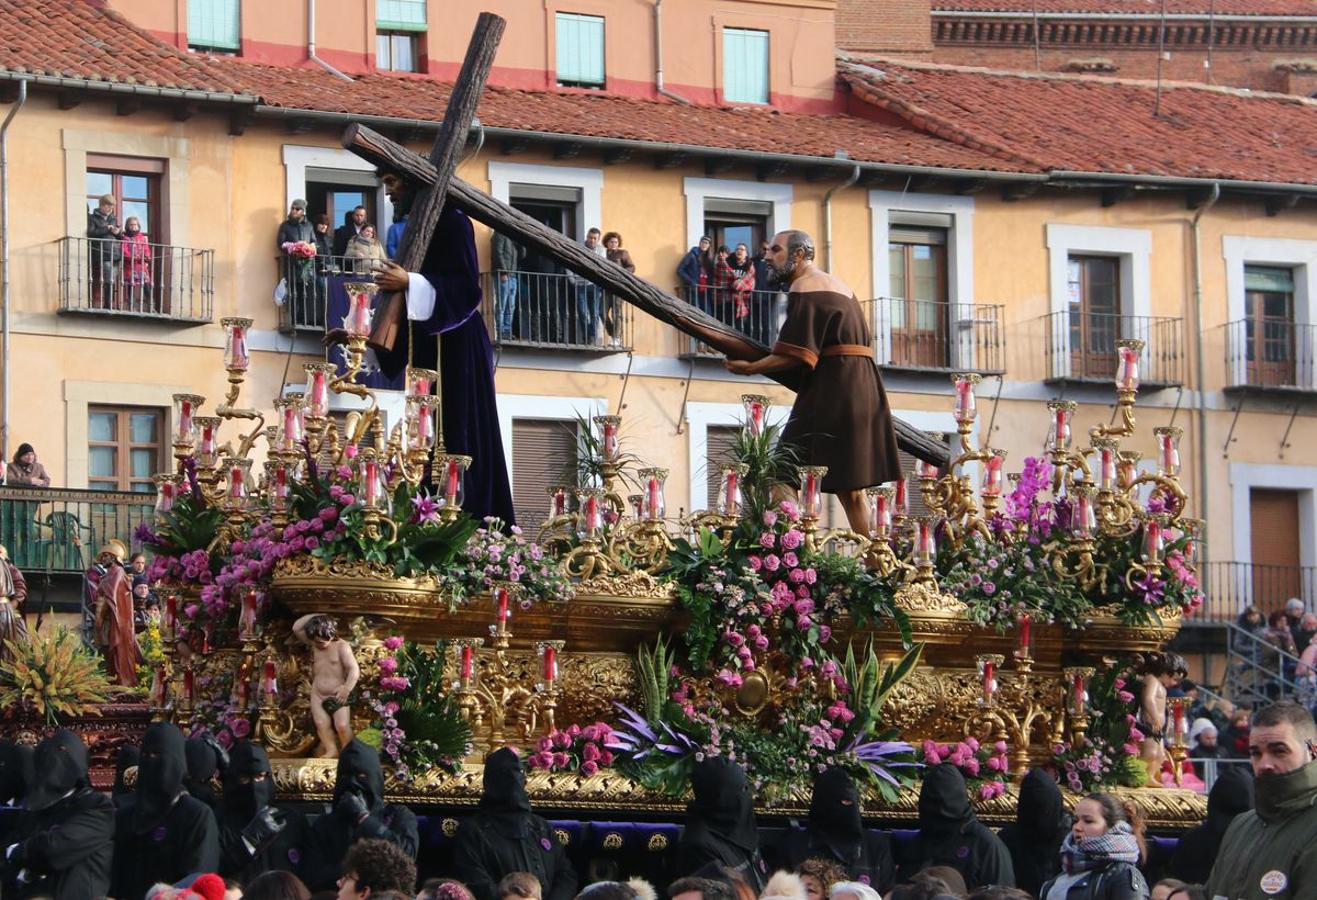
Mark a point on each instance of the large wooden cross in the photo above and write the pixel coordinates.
(438, 185)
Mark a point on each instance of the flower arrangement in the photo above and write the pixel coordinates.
(576, 749)
(53, 675)
(299, 249)
(496, 552)
(1166, 586)
(984, 764)
(1109, 754)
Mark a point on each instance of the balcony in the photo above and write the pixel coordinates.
(58, 531)
(542, 311)
(157, 281)
(938, 336)
(757, 314)
(1228, 587)
(306, 289)
(1271, 355)
(1081, 347)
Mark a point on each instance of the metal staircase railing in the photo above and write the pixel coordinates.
(1257, 671)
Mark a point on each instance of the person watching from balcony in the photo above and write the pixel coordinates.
(720, 292)
(742, 287)
(136, 253)
(24, 470)
(365, 250)
(1277, 656)
(356, 221)
(1205, 741)
(617, 256)
(589, 296)
(295, 228)
(393, 237)
(507, 257)
(105, 252)
(695, 272)
(1300, 622)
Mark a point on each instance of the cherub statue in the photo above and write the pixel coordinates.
(1159, 672)
(334, 674)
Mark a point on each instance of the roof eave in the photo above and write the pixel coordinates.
(1063, 176)
(120, 87)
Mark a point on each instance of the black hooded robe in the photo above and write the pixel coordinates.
(720, 824)
(505, 836)
(951, 835)
(1034, 839)
(241, 802)
(332, 833)
(15, 773)
(166, 834)
(202, 766)
(127, 758)
(1198, 848)
(836, 832)
(65, 843)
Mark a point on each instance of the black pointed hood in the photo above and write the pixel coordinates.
(127, 758)
(202, 765)
(359, 770)
(1040, 814)
(723, 804)
(244, 793)
(160, 774)
(15, 771)
(836, 814)
(504, 783)
(59, 767)
(944, 801)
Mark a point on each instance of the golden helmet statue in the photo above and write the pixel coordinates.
(115, 548)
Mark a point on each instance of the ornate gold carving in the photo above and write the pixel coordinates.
(449, 826)
(657, 843)
(593, 682)
(922, 599)
(626, 584)
(613, 841)
(563, 837)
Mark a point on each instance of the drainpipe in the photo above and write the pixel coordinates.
(1199, 366)
(658, 56)
(827, 211)
(311, 41)
(4, 264)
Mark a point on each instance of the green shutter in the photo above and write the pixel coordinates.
(1268, 278)
(580, 49)
(214, 23)
(745, 66)
(400, 15)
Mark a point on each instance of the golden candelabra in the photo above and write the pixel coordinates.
(1013, 705)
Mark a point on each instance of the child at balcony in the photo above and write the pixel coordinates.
(136, 263)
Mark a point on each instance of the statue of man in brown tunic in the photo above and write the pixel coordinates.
(841, 418)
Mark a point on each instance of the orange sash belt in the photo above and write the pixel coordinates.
(847, 350)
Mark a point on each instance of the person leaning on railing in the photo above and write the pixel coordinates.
(25, 471)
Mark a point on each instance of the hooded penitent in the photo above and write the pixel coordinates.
(504, 794)
(359, 772)
(720, 823)
(1034, 838)
(244, 791)
(944, 802)
(202, 766)
(126, 759)
(160, 774)
(15, 771)
(950, 835)
(835, 815)
(60, 768)
(1197, 849)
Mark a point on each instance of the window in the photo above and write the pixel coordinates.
(397, 51)
(135, 186)
(732, 222)
(1269, 325)
(546, 309)
(400, 15)
(918, 308)
(1093, 295)
(124, 447)
(745, 66)
(719, 443)
(580, 50)
(544, 453)
(214, 25)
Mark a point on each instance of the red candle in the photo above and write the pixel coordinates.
(468, 661)
(992, 476)
(171, 615)
(809, 494)
(205, 641)
(206, 452)
(237, 483)
(731, 492)
(185, 413)
(1152, 541)
(269, 684)
(989, 679)
(424, 424)
(558, 502)
(370, 477)
(755, 416)
(1061, 430)
(1081, 695)
(1177, 711)
(317, 393)
(189, 685)
(966, 409)
(238, 357)
(1026, 630)
(899, 504)
(281, 482)
(159, 687)
(610, 443)
(882, 514)
(550, 664)
(247, 623)
(292, 426)
(1108, 468)
(1170, 453)
(1128, 379)
(454, 482)
(655, 499)
(240, 690)
(357, 321)
(925, 543)
(926, 470)
(501, 594)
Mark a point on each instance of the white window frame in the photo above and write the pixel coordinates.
(174, 184)
(1132, 246)
(699, 416)
(888, 208)
(297, 159)
(531, 406)
(590, 182)
(699, 190)
(1298, 255)
(1246, 476)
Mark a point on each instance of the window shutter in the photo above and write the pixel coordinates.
(400, 15)
(580, 48)
(745, 65)
(1268, 278)
(913, 496)
(214, 23)
(543, 452)
(718, 452)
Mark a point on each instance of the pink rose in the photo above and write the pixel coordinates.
(589, 768)
(792, 539)
(393, 642)
(561, 760)
(768, 540)
(771, 562)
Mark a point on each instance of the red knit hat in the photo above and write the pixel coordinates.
(207, 887)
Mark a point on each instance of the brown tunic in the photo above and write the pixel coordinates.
(841, 418)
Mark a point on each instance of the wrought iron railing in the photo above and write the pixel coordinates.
(1229, 587)
(304, 286)
(1081, 346)
(939, 336)
(1271, 354)
(153, 281)
(553, 311)
(60, 530)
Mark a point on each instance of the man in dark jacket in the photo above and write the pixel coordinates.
(951, 835)
(15, 774)
(1034, 838)
(720, 824)
(104, 252)
(255, 835)
(358, 811)
(1197, 849)
(1270, 853)
(692, 266)
(505, 836)
(507, 260)
(296, 227)
(344, 234)
(165, 834)
(66, 840)
(836, 833)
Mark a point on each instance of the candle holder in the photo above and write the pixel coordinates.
(290, 411)
(810, 480)
(268, 717)
(1076, 681)
(420, 382)
(1179, 748)
(994, 465)
(236, 362)
(279, 477)
(1168, 450)
(587, 559)
(356, 324)
(186, 408)
(925, 549)
(729, 492)
(236, 356)
(880, 557)
(1127, 389)
(989, 667)
(449, 476)
(966, 409)
(161, 699)
(1023, 651)
(636, 506)
(756, 413)
(167, 487)
(207, 446)
(652, 486)
(318, 378)
(547, 688)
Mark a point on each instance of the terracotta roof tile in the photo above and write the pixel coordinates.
(1102, 125)
(1304, 8)
(72, 39)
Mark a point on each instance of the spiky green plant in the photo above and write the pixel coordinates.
(768, 462)
(587, 469)
(652, 668)
(871, 681)
(428, 714)
(53, 674)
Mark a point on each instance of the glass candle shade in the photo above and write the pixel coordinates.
(636, 502)
(186, 407)
(1127, 468)
(269, 682)
(1179, 720)
(811, 490)
(590, 512)
(247, 617)
(207, 448)
(1061, 412)
(1025, 628)
(450, 477)
(1168, 449)
(987, 666)
(966, 408)
(548, 653)
(729, 490)
(925, 541)
(420, 422)
(289, 413)
(421, 382)
(756, 413)
(241, 695)
(1078, 691)
(1153, 540)
(993, 473)
(318, 376)
(236, 356)
(652, 480)
(502, 602)
(370, 474)
(609, 444)
(160, 687)
(1127, 364)
(358, 320)
(166, 492)
(1107, 464)
(169, 618)
(278, 483)
(926, 471)
(900, 507)
(558, 501)
(466, 662)
(880, 512)
(1083, 519)
(236, 472)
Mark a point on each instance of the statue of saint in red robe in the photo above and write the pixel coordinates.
(114, 617)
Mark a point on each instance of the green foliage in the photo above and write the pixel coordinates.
(190, 525)
(768, 462)
(53, 674)
(428, 714)
(872, 681)
(652, 667)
